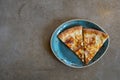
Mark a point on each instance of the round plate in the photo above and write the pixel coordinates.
(64, 54)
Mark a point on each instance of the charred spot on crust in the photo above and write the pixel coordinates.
(69, 40)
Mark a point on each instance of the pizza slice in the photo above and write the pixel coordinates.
(73, 38)
(93, 41)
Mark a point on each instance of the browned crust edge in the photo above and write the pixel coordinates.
(69, 31)
(89, 30)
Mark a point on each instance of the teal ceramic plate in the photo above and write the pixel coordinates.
(64, 54)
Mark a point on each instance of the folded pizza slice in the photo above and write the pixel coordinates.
(93, 41)
(73, 38)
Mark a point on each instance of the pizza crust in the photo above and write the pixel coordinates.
(73, 38)
(93, 41)
(66, 33)
(85, 43)
(97, 32)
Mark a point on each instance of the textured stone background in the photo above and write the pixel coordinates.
(25, 30)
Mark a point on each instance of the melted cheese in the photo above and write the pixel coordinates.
(86, 49)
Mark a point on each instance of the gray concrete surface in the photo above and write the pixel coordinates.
(25, 30)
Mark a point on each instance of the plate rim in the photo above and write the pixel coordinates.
(79, 20)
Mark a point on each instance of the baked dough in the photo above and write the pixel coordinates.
(73, 38)
(93, 41)
(85, 43)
